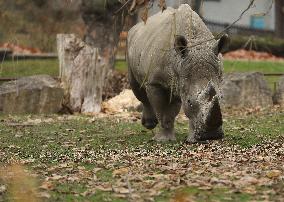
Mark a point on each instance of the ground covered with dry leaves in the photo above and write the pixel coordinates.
(112, 158)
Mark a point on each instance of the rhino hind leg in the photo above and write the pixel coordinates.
(167, 119)
(166, 110)
(149, 119)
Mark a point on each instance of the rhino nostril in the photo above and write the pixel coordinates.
(212, 94)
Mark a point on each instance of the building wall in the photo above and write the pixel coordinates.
(227, 11)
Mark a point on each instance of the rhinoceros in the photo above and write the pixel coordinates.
(173, 61)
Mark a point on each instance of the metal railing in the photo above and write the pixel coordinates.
(217, 27)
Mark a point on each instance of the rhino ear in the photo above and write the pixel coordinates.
(221, 44)
(181, 46)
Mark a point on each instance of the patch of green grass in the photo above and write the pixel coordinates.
(66, 192)
(104, 175)
(237, 66)
(22, 68)
(121, 66)
(253, 66)
(195, 194)
(253, 130)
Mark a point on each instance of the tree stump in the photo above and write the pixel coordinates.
(82, 73)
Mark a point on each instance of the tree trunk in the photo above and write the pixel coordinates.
(103, 27)
(82, 73)
(279, 10)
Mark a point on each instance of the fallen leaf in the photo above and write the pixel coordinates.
(104, 187)
(121, 190)
(120, 171)
(162, 5)
(273, 174)
(46, 185)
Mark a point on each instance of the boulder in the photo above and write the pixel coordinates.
(246, 90)
(33, 94)
(278, 97)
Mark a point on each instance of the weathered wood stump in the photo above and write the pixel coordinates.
(82, 73)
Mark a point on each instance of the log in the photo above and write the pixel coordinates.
(82, 74)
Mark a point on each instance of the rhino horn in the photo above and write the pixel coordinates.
(214, 118)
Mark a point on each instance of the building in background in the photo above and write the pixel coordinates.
(227, 11)
(261, 16)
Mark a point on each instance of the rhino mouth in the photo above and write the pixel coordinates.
(210, 135)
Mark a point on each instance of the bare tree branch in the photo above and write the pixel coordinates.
(267, 11)
(218, 36)
(123, 6)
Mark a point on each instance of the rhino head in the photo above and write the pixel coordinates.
(200, 76)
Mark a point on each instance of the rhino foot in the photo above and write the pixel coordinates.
(149, 123)
(164, 136)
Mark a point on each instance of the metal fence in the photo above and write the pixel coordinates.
(217, 27)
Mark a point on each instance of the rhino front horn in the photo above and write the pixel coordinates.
(214, 118)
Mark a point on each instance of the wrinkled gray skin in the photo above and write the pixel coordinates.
(165, 74)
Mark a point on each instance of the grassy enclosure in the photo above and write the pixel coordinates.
(19, 68)
(81, 158)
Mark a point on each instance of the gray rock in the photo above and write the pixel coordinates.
(33, 94)
(246, 90)
(278, 97)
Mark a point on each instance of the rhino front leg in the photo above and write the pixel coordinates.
(149, 119)
(191, 138)
(165, 110)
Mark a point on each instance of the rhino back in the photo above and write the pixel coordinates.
(151, 45)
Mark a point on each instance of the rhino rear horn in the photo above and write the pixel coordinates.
(209, 92)
(181, 46)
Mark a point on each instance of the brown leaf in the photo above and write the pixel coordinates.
(46, 185)
(273, 174)
(250, 190)
(121, 190)
(104, 187)
(144, 14)
(120, 171)
(162, 4)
